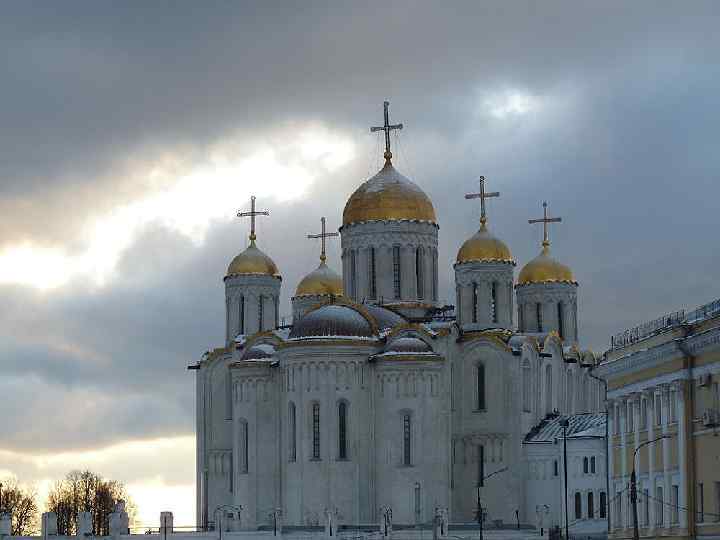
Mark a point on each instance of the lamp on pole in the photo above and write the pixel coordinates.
(633, 486)
(224, 507)
(481, 483)
(564, 423)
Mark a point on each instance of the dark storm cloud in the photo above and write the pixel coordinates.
(622, 145)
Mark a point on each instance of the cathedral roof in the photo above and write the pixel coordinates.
(323, 281)
(408, 345)
(579, 425)
(253, 261)
(388, 196)
(545, 269)
(484, 247)
(345, 320)
(261, 351)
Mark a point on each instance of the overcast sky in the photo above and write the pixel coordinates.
(131, 133)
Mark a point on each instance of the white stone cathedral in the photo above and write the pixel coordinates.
(376, 396)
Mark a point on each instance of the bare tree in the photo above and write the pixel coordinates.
(87, 492)
(21, 503)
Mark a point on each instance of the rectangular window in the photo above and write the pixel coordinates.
(701, 503)
(406, 440)
(538, 316)
(316, 430)
(659, 506)
(475, 302)
(616, 423)
(561, 320)
(643, 414)
(396, 271)
(592, 464)
(647, 506)
(419, 274)
(631, 416)
(342, 430)
(555, 468)
(261, 302)
(293, 432)
(373, 273)
(481, 465)
(674, 496)
(434, 274)
(658, 409)
(241, 313)
(591, 505)
(353, 275)
(578, 506)
(481, 387)
(603, 504)
(493, 302)
(618, 510)
(243, 447)
(673, 399)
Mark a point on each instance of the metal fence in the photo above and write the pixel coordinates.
(628, 337)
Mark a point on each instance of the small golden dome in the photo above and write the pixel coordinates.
(388, 196)
(545, 269)
(323, 281)
(484, 247)
(253, 261)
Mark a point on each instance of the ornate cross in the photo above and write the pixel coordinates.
(322, 236)
(545, 220)
(482, 196)
(387, 128)
(251, 214)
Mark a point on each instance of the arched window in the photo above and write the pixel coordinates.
(342, 430)
(592, 464)
(561, 320)
(372, 293)
(480, 382)
(241, 316)
(555, 468)
(243, 446)
(603, 504)
(419, 274)
(474, 302)
(434, 273)
(261, 302)
(292, 430)
(407, 439)
(538, 316)
(493, 302)
(585, 465)
(591, 505)
(548, 389)
(316, 431)
(578, 505)
(396, 272)
(353, 275)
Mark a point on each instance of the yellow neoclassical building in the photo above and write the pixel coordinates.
(663, 381)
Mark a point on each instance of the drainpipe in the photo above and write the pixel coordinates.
(690, 428)
(608, 448)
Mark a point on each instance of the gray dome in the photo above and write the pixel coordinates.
(333, 320)
(259, 352)
(409, 345)
(384, 317)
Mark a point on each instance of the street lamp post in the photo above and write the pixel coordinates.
(224, 507)
(564, 423)
(633, 487)
(481, 483)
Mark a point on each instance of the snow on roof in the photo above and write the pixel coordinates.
(580, 426)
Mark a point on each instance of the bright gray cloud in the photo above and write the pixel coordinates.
(621, 143)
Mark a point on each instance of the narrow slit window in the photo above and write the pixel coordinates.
(342, 430)
(373, 274)
(396, 271)
(434, 274)
(475, 302)
(241, 315)
(407, 438)
(591, 505)
(316, 430)
(538, 316)
(493, 302)
(578, 506)
(276, 307)
(419, 274)
(561, 320)
(481, 387)
(293, 432)
(243, 446)
(353, 275)
(603, 504)
(261, 302)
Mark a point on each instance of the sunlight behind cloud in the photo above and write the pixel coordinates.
(190, 201)
(510, 103)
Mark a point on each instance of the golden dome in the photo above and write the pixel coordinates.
(253, 261)
(322, 281)
(484, 247)
(545, 269)
(388, 196)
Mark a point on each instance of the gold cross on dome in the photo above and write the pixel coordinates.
(387, 128)
(322, 236)
(482, 195)
(545, 220)
(251, 214)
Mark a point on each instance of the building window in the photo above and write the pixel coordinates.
(474, 302)
(316, 431)
(353, 274)
(592, 465)
(419, 274)
(646, 516)
(373, 273)
(548, 389)
(292, 428)
(407, 440)
(591, 505)
(435, 274)
(526, 386)
(659, 506)
(578, 505)
(241, 315)
(673, 414)
(555, 468)
(631, 417)
(658, 409)
(603, 505)
(480, 387)
(701, 503)
(616, 423)
(481, 464)
(538, 316)
(585, 465)
(396, 271)
(717, 501)
(643, 414)
(243, 454)
(674, 504)
(261, 301)
(561, 320)
(618, 510)
(342, 430)
(493, 302)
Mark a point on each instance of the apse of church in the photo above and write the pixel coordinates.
(373, 397)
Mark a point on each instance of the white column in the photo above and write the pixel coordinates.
(682, 454)
(651, 455)
(611, 456)
(667, 478)
(626, 522)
